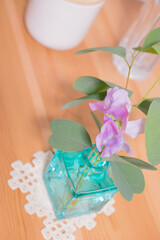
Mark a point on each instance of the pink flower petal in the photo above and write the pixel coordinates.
(134, 128)
(108, 132)
(117, 98)
(120, 114)
(113, 146)
(99, 142)
(96, 106)
(120, 98)
(109, 99)
(126, 148)
(106, 118)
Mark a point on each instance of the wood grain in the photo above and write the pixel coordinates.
(34, 83)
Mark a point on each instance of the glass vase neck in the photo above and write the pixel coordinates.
(93, 160)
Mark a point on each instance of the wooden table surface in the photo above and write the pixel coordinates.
(34, 83)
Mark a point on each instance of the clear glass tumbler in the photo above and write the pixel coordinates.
(78, 183)
(148, 19)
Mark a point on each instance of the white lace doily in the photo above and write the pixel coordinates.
(28, 178)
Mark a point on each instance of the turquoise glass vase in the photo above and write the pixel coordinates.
(78, 183)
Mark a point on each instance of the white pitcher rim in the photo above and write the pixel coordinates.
(93, 5)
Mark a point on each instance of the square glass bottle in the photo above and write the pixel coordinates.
(78, 183)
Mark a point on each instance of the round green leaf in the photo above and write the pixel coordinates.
(156, 48)
(92, 85)
(152, 133)
(69, 136)
(144, 106)
(152, 38)
(153, 50)
(151, 43)
(128, 179)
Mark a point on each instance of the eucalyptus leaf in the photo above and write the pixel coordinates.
(138, 163)
(68, 136)
(98, 96)
(146, 50)
(151, 43)
(120, 51)
(156, 47)
(152, 133)
(128, 179)
(130, 160)
(96, 121)
(144, 106)
(152, 38)
(92, 85)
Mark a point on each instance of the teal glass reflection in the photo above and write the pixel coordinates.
(78, 183)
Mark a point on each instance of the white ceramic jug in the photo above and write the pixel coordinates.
(60, 24)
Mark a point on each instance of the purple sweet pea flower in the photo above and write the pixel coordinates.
(110, 140)
(116, 103)
(116, 99)
(116, 107)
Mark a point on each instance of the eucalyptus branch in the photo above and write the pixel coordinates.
(126, 62)
(128, 77)
(137, 54)
(130, 67)
(129, 72)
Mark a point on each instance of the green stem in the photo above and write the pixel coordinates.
(89, 171)
(72, 204)
(129, 71)
(137, 54)
(128, 78)
(126, 62)
(66, 199)
(92, 151)
(146, 94)
(68, 195)
(130, 67)
(90, 154)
